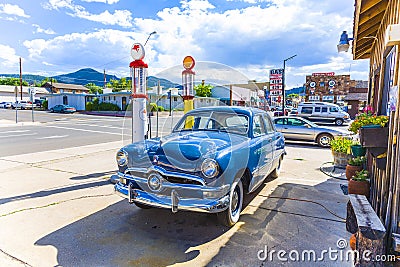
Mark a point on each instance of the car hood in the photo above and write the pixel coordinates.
(183, 150)
(333, 130)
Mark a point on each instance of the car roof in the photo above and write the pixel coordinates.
(236, 109)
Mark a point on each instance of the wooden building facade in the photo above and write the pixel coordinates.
(376, 37)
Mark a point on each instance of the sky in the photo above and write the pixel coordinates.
(55, 37)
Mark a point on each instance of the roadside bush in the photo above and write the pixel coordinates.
(108, 107)
(153, 107)
(45, 104)
(95, 106)
(89, 106)
(161, 108)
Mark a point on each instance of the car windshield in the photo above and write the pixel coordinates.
(214, 121)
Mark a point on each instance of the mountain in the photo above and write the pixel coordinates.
(298, 90)
(85, 76)
(88, 75)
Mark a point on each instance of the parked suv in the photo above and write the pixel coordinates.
(23, 105)
(322, 112)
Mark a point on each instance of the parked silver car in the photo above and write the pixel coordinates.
(297, 128)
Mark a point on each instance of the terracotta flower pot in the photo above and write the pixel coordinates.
(351, 170)
(358, 187)
(353, 242)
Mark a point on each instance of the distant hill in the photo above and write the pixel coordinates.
(298, 90)
(88, 75)
(85, 76)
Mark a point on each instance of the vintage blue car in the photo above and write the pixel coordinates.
(212, 157)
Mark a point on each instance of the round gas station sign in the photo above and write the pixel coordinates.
(137, 51)
(188, 62)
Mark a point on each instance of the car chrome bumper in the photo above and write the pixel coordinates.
(178, 196)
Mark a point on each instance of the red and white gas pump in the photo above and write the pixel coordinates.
(139, 93)
(188, 83)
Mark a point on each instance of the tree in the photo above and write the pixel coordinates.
(118, 85)
(47, 80)
(291, 96)
(203, 90)
(94, 89)
(12, 81)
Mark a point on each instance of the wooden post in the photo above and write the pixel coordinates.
(20, 75)
(370, 232)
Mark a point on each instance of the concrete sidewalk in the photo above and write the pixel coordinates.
(58, 208)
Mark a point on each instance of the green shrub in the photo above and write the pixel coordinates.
(342, 145)
(45, 104)
(94, 106)
(161, 108)
(108, 107)
(153, 107)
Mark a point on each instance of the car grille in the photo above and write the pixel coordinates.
(178, 180)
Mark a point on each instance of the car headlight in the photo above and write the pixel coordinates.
(122, 158)
(209, 168)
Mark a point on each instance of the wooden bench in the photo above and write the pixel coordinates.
(370, 232)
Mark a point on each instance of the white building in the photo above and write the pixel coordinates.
(7, 93)
(78, 101)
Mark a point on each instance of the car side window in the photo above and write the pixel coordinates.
(258, 126)
(333, 109)
(317, 109)
(269, 125)
(279, 121)
(307, 110)
(296, 122)
(324, 109)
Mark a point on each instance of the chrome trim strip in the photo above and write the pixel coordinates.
(165, 173)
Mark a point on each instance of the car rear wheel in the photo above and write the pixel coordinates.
(51, 110)
(339, 122)
(324, 140)
(231, 215)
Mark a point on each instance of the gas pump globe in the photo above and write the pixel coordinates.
(139, 93)
(188, 83)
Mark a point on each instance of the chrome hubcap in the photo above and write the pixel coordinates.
(235, 201)
(325, 141)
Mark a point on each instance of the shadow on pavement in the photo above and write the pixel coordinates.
(124, 235)
(49, 192)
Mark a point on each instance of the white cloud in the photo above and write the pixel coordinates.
(110, 2)
(122, 18)
(72, 51)
(15, 10)
(9, 60)
(40, 30)
(256, 38)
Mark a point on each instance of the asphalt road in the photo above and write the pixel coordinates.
(55, 131)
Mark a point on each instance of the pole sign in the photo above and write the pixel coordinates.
(276, 85)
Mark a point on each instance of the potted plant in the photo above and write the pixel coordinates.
(372, 129)
(359, 183)
(357, 150)
(340, 147)
(354, 165)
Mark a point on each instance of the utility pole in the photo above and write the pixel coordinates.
(20, 75)
(105, 79)
(283, 83)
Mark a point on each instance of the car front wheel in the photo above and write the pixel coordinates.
(231, 215)
(324, 140)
